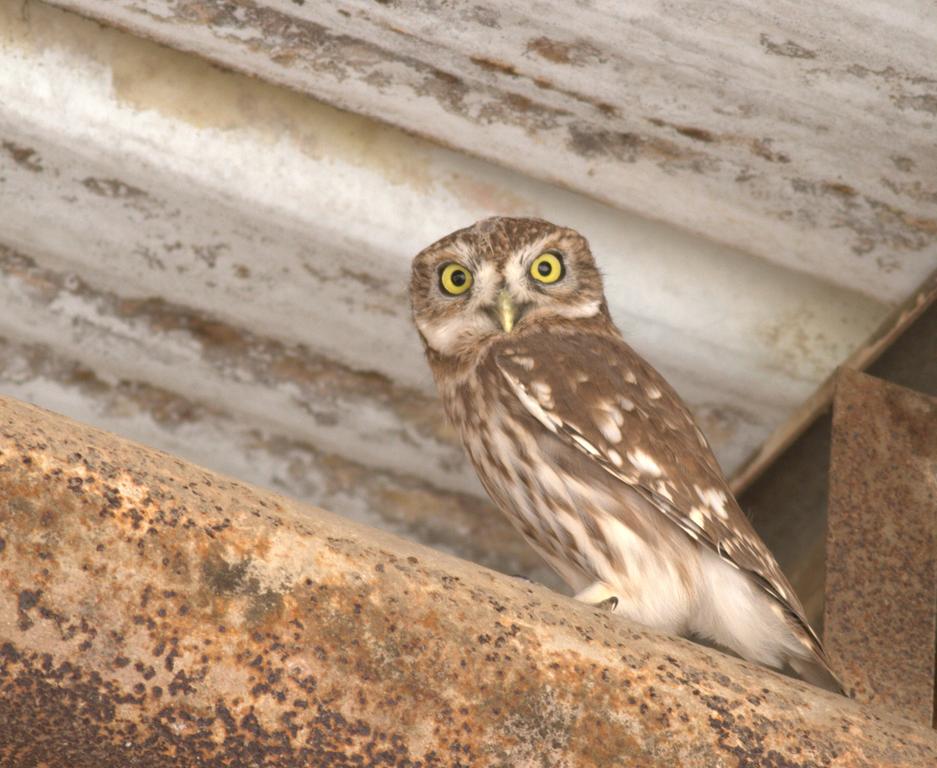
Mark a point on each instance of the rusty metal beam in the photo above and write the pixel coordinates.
(794, 524)
(891, 328)
(881, 604)
(153, 613)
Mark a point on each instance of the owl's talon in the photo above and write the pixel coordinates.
(522, 577)
(608, 604)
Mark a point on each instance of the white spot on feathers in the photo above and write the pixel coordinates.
(714, 499)
(532, 406)
(608, 427)
(644, 463)
(589, 447)
(543, 393)
(696, 515)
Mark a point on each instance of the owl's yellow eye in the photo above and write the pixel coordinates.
(455, 279)
(547, 267)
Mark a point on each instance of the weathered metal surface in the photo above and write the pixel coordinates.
(897, 322)
(794, 524)
(458, 523)
(738, 120)
(153, 613)
(218, 195)
(881, 593)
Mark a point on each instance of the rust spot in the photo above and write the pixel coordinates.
(25, 602)
(492, 65)
(925, 102)
(224, 578)
(563, 53)
(902, 163)
(589, 142)
(788, 48)
(608, 110)
(112, 188)
(838, 188)
(762, 148)
(23, 156)
(697, 134)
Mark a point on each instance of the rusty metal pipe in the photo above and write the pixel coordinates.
(153, 613)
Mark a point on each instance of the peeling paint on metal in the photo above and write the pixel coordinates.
(588, 97)
(257, 208)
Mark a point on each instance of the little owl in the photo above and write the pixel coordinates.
(588, 450)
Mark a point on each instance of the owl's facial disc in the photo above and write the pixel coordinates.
(499, 277)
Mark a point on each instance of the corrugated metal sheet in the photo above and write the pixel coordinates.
(799, 132)
(217, 265)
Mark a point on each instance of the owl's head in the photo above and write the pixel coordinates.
(502, 276)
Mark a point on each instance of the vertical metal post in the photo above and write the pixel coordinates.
(881, 589)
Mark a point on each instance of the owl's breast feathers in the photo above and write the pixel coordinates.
(594, 394)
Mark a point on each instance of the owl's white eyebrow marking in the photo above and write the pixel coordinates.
(462, 252)
(644, 463)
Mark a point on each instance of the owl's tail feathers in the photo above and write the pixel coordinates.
(816, 671)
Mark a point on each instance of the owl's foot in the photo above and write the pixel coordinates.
(600, 595)
(608, 604)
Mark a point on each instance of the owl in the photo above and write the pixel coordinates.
(590, 453)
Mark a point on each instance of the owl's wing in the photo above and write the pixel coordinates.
(599, 396)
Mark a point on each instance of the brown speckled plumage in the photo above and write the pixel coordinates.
(591, 454)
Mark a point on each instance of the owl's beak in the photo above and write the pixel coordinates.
(506, 310)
